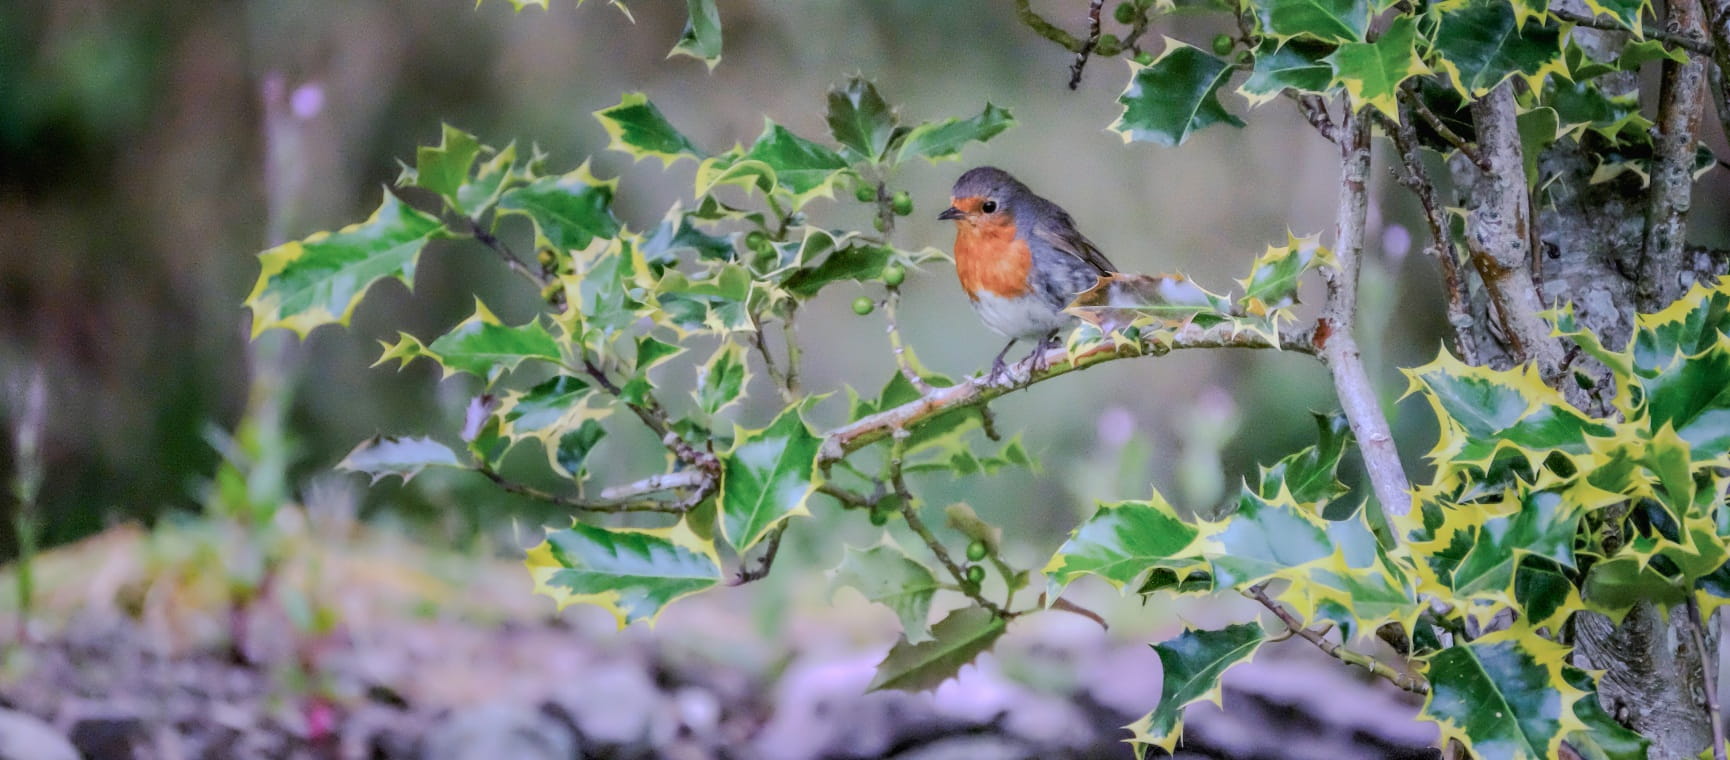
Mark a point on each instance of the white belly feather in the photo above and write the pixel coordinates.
(1024, 317)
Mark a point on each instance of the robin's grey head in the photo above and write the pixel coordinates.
(982, 194)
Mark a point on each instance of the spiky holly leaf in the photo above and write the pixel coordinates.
(955, 641)
(886, 575)
(479, 345)
(860, 120)
(1173, 97)
(1297, 65)
(637, 127)
(943, 140)
(1693, 397)
(1311, 476)
(701, 38)
(1503, 695)
(631, 573)
(677, 231)
(1272, 284)
(1372, 71)
(767, 478)
(1483, 411)
(445, 168)
(1693, 324)
(1625, 12)
(1192, 664)
(573, 447)
(859, 262)
(1479, 43)
(1264, 538)
(716, 303)
(568, 211)
(1545, 595)
(1167, 300)
(543, 411)
(1536, 524)
(1121, 542)
(1583, 105)
(801, 167)
(608, 288)
(1601, 738)
(405, 458)
(320, 280)
(721, 379)
(1325, 20)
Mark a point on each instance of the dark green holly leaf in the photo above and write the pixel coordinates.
(1583, 105)
(573, 448)
(859, 262)
(568, 211)
(955, 641)
(320, 280)
(1122, 541)
(1693, 396)
(676, 233)
(1545, 593)
(886, 575)
(802, 168)
(1325, 20)
(1615, 585)
(1298, 65)
(702, 35)
(544, 406)
(480, 346)
(1481, 42)
(633, 574)
(1372, 71)
(1483, 410)
(637, 127)
(1625, 12)
(767, 478)
(941, 140)
(721, 380)
(403, 457)
(1602, 738)
(1192, 663)
(1541, 525)
(860, 120)
(1173, 97)
(1502, 695)
(1311, 476)
(1272, 284)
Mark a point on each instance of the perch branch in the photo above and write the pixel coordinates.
(1681, 102)
(1412, 683)
(1333, 335)
(868, 430)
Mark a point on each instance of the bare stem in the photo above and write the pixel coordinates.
(583, 505)
(1410, 682)
(898, 347)
(1416, 178)
(772, 543)
(1087, 47)
(505, 253)
(1409, 99)
(1708, 676)
(1334, 337)
(910, 513)
(1040, 26)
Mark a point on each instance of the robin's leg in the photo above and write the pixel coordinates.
(998, 368)
(1039, 349)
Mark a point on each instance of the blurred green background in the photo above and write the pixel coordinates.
(135, 190)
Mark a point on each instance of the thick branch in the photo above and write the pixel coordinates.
(1408, 681)
(851, 437)
(1334, 335)
(1681, 102)
(1498, 237)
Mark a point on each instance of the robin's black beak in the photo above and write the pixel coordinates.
(951, 213)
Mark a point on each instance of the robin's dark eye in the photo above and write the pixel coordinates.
(989, 207)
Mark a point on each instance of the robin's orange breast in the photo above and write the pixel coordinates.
(989, 258)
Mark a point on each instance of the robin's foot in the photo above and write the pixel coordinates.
(1040, 364)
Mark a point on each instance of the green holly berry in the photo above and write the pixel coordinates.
(865, 194)
(894, 275)
(902, 203)
(758, 240)
(863, 305)
(879, 517)
(880, 224)
(1109, 44)
(975, 574)
(1125, 13)
(1144, 58)
(976, 551)
(1222, 44)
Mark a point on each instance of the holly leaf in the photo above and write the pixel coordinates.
(1272, 284)
(1311, 476)
(631, 573)
(886, 575)
(1372, 71)
(801, 167)
(1297, 65)
(943, 140)
(1173, 97)
(701, 38)
(721, 380)
(568, 211)
(1479, 43)
(860, 120)
(1601, 737)
(1193, 664)
(1503, 695)
(444, 169)
(955, 641)
(480, 346)
(767, 478)
(635, 126)
(320, 280)
(1121, 300)
(405, 458)
(1325, 20)
(859, 262)
(1121, 542)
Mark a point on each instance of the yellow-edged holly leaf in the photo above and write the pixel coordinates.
(721, 380)
(1174, 96)
(635, 126)
(568, 211)
(1121, 542)
(1297, 65)
(480, 346)
(701, 38)
(1479, 43)
(1192, 665)
(1600, 737)
(767, 477)
(943, 140)
(1503, 695)
(1274, 276)
(631, 573)
(1372, 71)
(1483, 411)
(1325, 20)
(320, 280)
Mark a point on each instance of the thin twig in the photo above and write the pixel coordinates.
(1032, 19)
(848, 499)
(667, 481)
(505, 253)
(1315, 111)
(897, 345)
(910, 513)
(762, 346)
(791, 338)
(773, 545)
(871, 429)
(1708, 676)
(584, 505)
(1409, 682)
(1409, 99)
(1412, 173)
(1334, 331)
(1087, 47)
(655, 418)
(1606, 25)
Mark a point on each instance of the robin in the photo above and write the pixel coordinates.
(1020, 259)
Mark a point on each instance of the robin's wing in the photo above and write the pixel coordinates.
(1064, 237)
